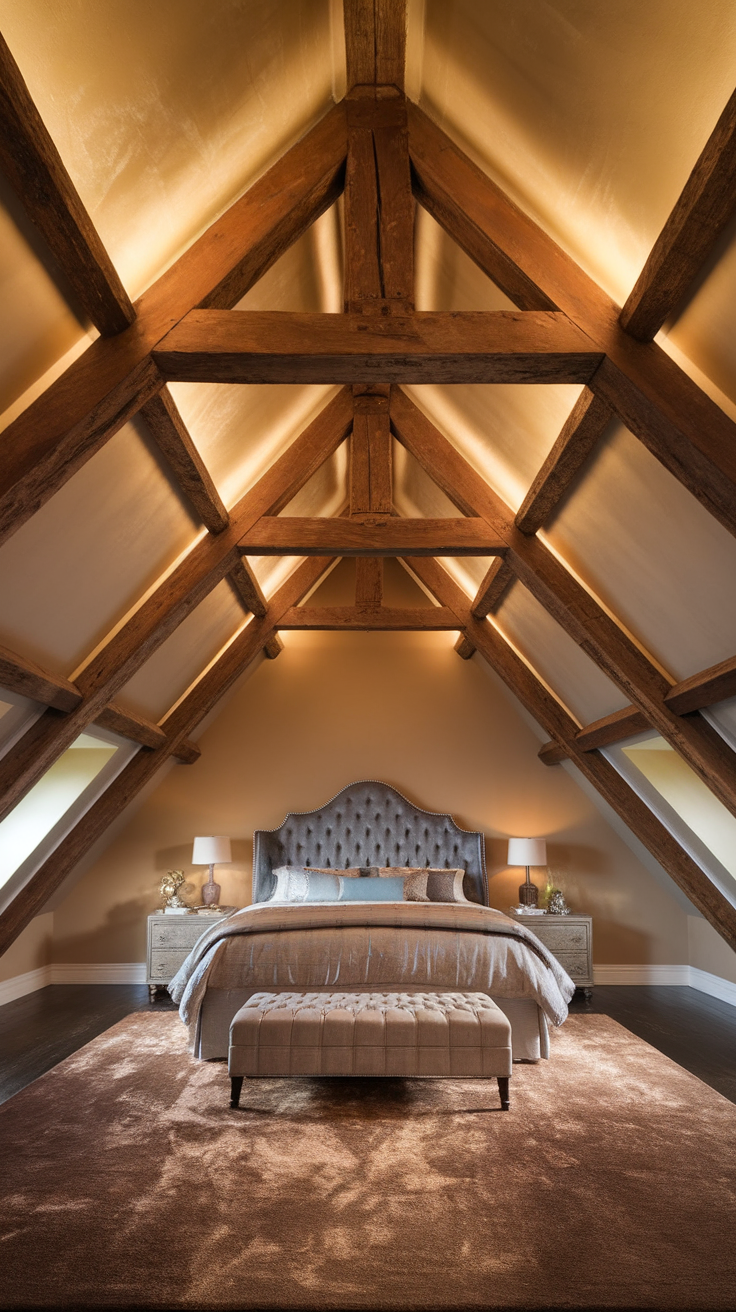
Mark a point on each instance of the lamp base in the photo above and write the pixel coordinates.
(528, 894)
(210, 893)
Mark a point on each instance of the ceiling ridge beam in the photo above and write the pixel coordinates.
(178, 724)
(577, 611)
(555, 720)
(280, 346)
(170, 603)
(581, 432)
(172, 437)
(114, 377)
(681, 426)
(700, 214)
(33, 166)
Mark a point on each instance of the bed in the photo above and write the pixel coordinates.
(391, 946)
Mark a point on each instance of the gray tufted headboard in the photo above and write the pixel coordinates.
(369, 824)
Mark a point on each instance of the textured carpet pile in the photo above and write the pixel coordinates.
(128, 1182)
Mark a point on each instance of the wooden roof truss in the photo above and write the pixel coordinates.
(385, 154)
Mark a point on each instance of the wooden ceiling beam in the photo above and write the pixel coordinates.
(177, 726)
(23, 676)
(375, 41)
(567, 601)
(557, 721)
(493, 589)
(370, 474)
(267, 346)
(646, 389)
(248, 589)
(107, 385)
(209, 561)
(173, 440)
(379, 205)
(702, 211)
(367, 618)
(583, 429)
(374, 535)
(34, 168)
(707, 688)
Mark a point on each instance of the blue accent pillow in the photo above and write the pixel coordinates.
(372, 890)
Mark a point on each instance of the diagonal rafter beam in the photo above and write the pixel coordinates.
(557, 721)
(567, 601)
(172, 437)
(180, 722)
(277, 346)
(32, 164)
(669, 413)
(702, 211)
(202, 569)
(585, 425)
(107, 385)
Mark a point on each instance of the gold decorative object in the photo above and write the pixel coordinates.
(556, 904)
(170, 885)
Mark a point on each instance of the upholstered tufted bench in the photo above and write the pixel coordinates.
(460, 1035)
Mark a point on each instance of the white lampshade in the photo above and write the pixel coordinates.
(211, 849)
(527, 852)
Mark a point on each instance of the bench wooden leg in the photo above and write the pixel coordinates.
(236, 1084)
(503, 1089)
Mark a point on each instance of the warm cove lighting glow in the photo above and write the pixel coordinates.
(42, 808)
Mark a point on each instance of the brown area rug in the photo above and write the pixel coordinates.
(128, 1182)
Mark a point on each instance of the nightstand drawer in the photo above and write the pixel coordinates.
(179, 934)
(576, 965)
(564, 938)
(165, 962)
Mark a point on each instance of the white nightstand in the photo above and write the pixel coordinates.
(570, 939)
(170, 940)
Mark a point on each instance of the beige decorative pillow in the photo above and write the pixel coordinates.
(415, 881)
(445, 885)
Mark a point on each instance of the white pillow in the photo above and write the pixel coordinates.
(298, 884)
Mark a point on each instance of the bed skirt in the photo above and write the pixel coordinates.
(529, 1033)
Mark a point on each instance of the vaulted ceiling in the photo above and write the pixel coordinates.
(283, 285)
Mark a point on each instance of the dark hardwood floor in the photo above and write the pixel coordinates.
(39, 1030)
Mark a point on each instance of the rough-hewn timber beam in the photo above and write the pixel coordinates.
(668, 412)
(585, 425)
(364, 618)
(77, 414)
(198, 702)
(248, 589)
(556, 720)
(492, 590)
(172, 437)
(370, 475)
(32, 164)
(276, 346)
(379, 205)
(707, 688)
(373, 536)
(705, 206)
(176, 597)
(375, 41)
(567, 601)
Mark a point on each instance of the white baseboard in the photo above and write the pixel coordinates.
(62, 972)
(19, 985)
(641, 974)
(713, 984)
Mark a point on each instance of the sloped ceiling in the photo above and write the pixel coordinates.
(590, 116)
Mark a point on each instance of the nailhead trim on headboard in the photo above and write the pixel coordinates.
(369, 824)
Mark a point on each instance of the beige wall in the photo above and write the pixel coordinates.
(708, 951)
(397, 707)
(31, 950)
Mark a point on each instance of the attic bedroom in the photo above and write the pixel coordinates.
(367, 654)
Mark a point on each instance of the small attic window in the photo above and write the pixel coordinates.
(44, 808)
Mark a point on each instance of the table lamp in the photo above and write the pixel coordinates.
(527, 852)
(207, 850)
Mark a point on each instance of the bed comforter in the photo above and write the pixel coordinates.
(331, 945)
